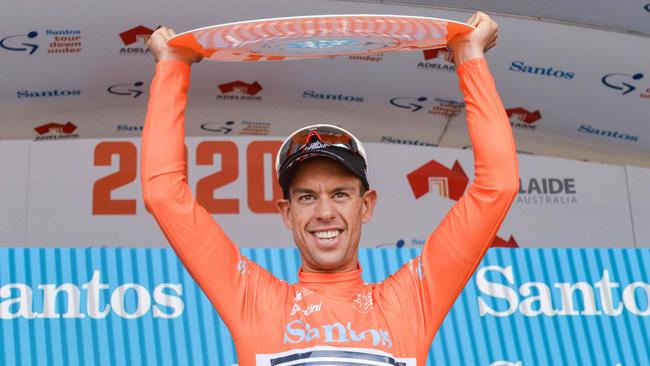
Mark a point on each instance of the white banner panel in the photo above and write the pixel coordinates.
(638, 180)
(566, 203)
(561, 203)
(94, 194)
(66, 180)
(87, 192)
(14, 165)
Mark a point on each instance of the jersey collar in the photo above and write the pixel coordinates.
(343, 283)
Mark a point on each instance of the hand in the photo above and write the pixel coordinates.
(157, 43)
(474, 44)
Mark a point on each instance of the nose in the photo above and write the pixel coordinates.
(325, 211)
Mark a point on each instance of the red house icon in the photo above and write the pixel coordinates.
(524, 115)
(131, 36)
(432, 54)
(54, 127)
(451, 183)
(502, 243)
(242, 87)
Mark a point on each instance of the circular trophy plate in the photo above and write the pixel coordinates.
(321, 36)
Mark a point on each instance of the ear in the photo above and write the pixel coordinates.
(368, 202)
(285, 209)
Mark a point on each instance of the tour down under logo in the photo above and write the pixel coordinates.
(449, 183)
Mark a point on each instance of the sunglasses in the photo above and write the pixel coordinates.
(316, 137)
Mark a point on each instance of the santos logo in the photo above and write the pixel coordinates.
(310, 94)
(544, 71)
(607, 133)
(46, 93)
(559, 299)
(129, 300)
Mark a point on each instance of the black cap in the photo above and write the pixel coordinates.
(351, 161)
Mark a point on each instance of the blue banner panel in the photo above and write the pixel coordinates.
(140, 307)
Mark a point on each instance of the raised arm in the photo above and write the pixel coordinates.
(457, 246)
(454, 250)
(215, 263)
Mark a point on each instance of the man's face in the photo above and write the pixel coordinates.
(325, 212)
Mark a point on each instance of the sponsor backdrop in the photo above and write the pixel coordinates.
(14, 165)
(68, 76)
(638, 180)
(86, 192)
(139, 307)
(73, 99)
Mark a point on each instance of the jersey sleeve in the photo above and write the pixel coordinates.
(232, 283)
(425, 288)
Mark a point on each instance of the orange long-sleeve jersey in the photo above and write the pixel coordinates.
(330, 319)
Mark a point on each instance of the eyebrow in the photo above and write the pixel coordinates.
(299, 190)
(343, 188)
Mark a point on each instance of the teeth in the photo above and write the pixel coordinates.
(330, 234)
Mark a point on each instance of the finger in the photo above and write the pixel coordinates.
(161, 31)
(167, 33)
(472, 20)
(157, 33)
(481, 18)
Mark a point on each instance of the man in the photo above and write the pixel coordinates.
(330, 316)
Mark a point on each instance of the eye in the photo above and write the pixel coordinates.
(341, 195)
(306, 197)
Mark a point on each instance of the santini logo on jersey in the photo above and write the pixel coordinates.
(307, 311)
(298, 331)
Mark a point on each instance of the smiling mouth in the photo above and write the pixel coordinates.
(327, 236)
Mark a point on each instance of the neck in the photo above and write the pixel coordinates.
(348, 267)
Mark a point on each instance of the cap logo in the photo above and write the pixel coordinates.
(315, 145)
